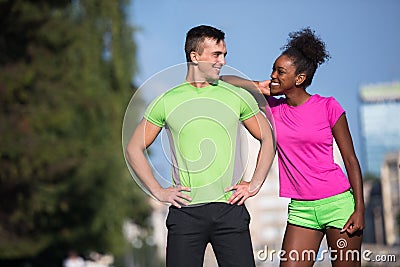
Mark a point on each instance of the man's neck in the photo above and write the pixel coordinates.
(196, 80)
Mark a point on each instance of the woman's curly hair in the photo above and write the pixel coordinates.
(307, 51)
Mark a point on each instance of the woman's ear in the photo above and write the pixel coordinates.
(300, 78)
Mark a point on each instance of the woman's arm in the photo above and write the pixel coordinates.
(252, 86)
(344, 141)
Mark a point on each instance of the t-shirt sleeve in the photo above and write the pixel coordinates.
(248, 106)
(335, 110)
(155, 112)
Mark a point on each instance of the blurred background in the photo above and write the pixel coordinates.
(70, 68)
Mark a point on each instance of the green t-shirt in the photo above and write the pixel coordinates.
(202, 125)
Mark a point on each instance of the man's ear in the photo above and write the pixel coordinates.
(193, 57)
(300, 78)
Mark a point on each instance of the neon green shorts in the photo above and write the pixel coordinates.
(322, 213)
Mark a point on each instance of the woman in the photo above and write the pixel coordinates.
(323, 199)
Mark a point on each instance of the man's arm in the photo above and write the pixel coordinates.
(260, 129)
(143, 136)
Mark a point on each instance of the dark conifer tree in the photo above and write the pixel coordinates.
(65, 79)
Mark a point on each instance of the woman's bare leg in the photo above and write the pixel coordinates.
(301, 246)
(345, 249)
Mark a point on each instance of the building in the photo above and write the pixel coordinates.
(380, 127)
(390, 183)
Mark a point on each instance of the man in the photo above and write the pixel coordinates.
(202, 117)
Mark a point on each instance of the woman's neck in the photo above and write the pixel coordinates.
(297, 97)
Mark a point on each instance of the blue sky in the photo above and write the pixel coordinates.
(362, 36)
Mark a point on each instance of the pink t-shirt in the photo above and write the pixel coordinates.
(307, 170)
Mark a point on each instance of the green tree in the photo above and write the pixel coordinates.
(65, 79)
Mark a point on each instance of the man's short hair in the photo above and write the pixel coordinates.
(195, 38)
